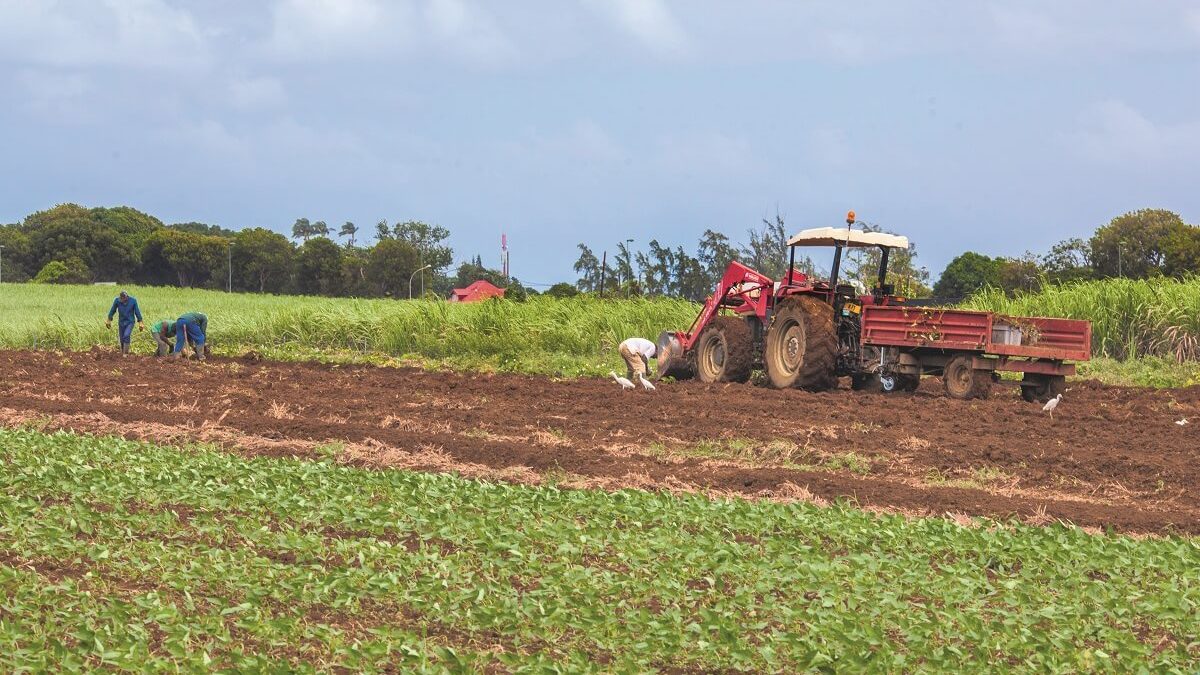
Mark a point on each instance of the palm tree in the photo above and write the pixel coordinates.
(348, 230)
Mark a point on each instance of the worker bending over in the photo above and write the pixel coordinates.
(125, 306)
(163, 332)
(191, 327)
(637, 353)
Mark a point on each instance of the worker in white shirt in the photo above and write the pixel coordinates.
(637, 353)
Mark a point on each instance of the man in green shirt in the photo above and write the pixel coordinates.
(163, 332)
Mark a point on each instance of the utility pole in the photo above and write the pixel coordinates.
(229, 251)
(1, 263)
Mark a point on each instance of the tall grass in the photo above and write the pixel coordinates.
(572, 336)
(1130, 318)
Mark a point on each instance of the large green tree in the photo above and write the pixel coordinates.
(1068, 260)
(966, 274)
(71, 231)
(319, 267)
(1137, 244)
(391, 266)
(262, 260)
(14, 258)
(429, 241)
(189, 259)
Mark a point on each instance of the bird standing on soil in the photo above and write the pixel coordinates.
(1051, 405)
(646, 384)
(625, 384)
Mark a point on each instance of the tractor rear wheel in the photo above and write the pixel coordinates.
(1045, 388)
(801, 345)
(725, 351)
(963, 381)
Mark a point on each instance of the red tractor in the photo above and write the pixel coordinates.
(806, 333)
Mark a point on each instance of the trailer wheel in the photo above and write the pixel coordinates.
(1044, 387)
(963, 381)
(801, 345)
(725, 351)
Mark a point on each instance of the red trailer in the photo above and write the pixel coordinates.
(805, 333)
(970, 349)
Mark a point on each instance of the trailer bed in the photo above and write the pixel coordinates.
(984, 332)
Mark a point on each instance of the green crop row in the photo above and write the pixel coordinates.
(1131, 318)
(123, 555)
(544, 335)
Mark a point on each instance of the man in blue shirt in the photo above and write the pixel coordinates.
(125, 306)
(191, 327)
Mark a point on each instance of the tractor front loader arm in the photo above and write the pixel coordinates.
(741, 289)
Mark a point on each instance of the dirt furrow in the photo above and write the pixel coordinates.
(1111, 456)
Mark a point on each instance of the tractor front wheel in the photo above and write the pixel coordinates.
(801, 345)
(963, 381)
(725, 351)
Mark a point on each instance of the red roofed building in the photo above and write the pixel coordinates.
(480, 290)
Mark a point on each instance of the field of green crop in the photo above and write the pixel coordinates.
(117, 554)
(545, 335)
(1158, 322)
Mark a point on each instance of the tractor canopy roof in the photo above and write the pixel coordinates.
(831, 236)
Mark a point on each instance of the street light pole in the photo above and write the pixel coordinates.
(410, 279)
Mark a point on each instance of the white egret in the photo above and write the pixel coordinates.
(646, 384)
(625, 384)
(1051, 405)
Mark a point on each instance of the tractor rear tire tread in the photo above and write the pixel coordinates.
(816, 370)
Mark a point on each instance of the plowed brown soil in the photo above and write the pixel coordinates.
(1111, 457)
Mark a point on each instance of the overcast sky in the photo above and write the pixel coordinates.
(994, 126)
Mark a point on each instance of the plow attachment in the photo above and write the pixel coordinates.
(671, 358)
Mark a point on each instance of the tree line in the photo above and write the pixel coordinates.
(1137, 245)
(663, 270)
(74, 244)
